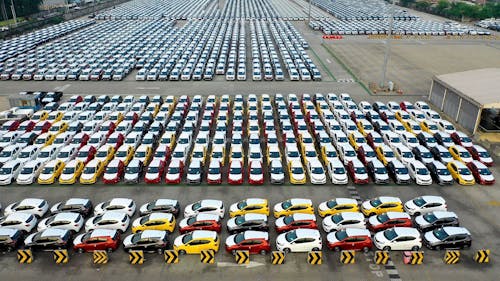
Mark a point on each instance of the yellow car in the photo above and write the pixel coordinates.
(105, 154)
(92, 171)
(116, 117)
(296, 172)
(237, 154)
(429, 127)
(384, 154)
(337, 205)
(412, 127)
(380, 205)
(153, 108)
(55, 116)
(125, 153)
(461, 173)
(45, 139)
(58, 127)
(364, 127)
(71, 172)
(154, 221)
(144, 153)
(355, 139)
(196, 241)
(50, 172)
(40, 116)
(168, 138)
(293, 206)
(402, 116)
(249, 205)
(459, 153)
(328, 152)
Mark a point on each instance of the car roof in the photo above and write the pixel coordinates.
(397, 215)
(211, 202)
(444, 214)
(31, 163)
(253, 216)
(54, 232)
(431, 198)
(76, 201)
(459, 164)
(18, 216)
(386, 199)
(410, 231)
(297, 201)
(255, 201)
(302, 232)
(152, 234)
(357, 232)
(111, 215)
(276, 163)
(295, 163)
(454, 230)
(161, 202)
(31, 201)
(252, 234)
(351, 215)
(207, 217)
(120, 201)
(159, 216)
(204, 234)
(66, 216)
(5, 231)
(303, 217)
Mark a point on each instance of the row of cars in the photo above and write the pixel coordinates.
(400, 140)
(362, 10)
(248, 225)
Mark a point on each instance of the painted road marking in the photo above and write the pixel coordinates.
(62, 88)
(328, 61)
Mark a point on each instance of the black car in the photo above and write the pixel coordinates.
(95, 106)
(147, 117)
(398, 172)
(10, 239)
(440, 152)
(147, 240)
(117, 99)
(144, 99)
(437, 219)
(379, 106)
(49, 239)
(438, 170)
(448, 237)
(75, 127)
(75, 205)
(375, 168)
(52, 97)
(426, 139)
(421, 153)
(161, 205)
(51, 106)
(380, 126)
(440, 137)
(248, 222)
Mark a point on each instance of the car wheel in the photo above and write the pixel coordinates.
(366, 249)
(387, 248)
(109, 250)
(438, 248)
(80, 250)
(160, 251)
(263, 252)
(315, 249)
(371, 214)
(286, 250)
(417, 214)
(415, 248)
(233, 252)
(336, 249)
(182, 252)
(10, 249)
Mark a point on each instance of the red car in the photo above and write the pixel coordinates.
(108, 127)
(295, 221)
(10, 126)
(86, 153)
(350, 239)
(174, 172)
(374, 139)
(27, 126)
(481, 173)
(255, 173)
(155, 171)
(365, 152)
(42, 127)
(114, 172)
(256, 242)
(132, 116)
(75, 99)
(116, 139)
(235, 173)
(80, 139)
(479, 153)
(200, 222)
(357, 172)
(388, 220)
(406, 105)
(99, 239)
(162, 152)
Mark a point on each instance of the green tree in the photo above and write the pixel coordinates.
(423, 5)
(23, 8)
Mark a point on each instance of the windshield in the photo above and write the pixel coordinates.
(375, 202)
(256, 171)
(90, 170)
(444, 172)
(214, 171)
(153, 170)
(440, 234)
(194, 171)
(430, 217)
(297, 170)
(286, 204)
(239, 237)
(341, 235)
(484, 154)
(69, 170)
(187, 238)
(277, 170)
(132, 170)
(390, 234)
(235, 171)
(337, 218)
(290, 236)
(317, 170)
(422, 171)
(383, 218)
(484, 172)
(48, 170)
(360, 170)
(44, 154)
(419, 201)
(380, 171)
(27, 171)
(102, 153)
(464, 171)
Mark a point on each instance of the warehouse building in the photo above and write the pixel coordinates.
(471, 98)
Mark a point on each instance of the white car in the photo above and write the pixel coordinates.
(419, 173)
(163, 205)
(22, 221)
(403, 154)
(316, 172)
(446, 126)
(299, 240)
(206, 206)
(67, 153)
(425, 204)
(69, 221)
(337, 171)
(35, 206)
(276, 172)
(30, 172)
(108, 220)
(347, 153)
(28, 153)
(343, 220)
(124, 205)
(409, 140)
(398, 238)
(48, 153)
(9, 172)
(9, 153)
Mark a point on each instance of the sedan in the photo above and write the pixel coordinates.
(299, 240)
(200, 222)
(97, 240)
(70, 221)
(20, 221)
(124, 205)
(448, 237)
(388, 220)
(481, 173)
(344, 220)
(398, 238)
(109, 220)
(147, 241)
(247, 222)
(350, 239)
(256, 242)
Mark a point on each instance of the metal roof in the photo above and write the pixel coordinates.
(481, 86)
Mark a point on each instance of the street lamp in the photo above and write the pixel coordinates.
(13, 12)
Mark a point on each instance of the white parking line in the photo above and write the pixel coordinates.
(62, 88)
(148, 88)
(328, 61)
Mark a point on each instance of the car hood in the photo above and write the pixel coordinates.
(281, 240)
(280, 222)
(213, 176)
(29, 239)
(361, 176)
(151, 176)
(380, 238)
(421, 221)
(131, 176)
(231, 223)
(278, 208)
(411, 206)
(429, 236)
(178, 241)
(318, 177)
(366, 205)
(42, 225)
(233, 208)
(45, 176)
(78, 239)
(331, 238)
(193, 176)
(66, 176)
(298, 177)
(230, 241)
(323, 207)
(5, 177)
(87, 176)
(109, 176)
(278, 176)
(128, 240)
(467, 177)
(488, 177)
(172, 176)
(23, 177)
(373, 221)
(256, 177)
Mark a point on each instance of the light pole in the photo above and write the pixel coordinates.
(387, 46)
(13, 12)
